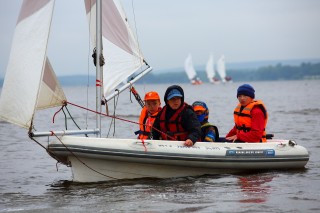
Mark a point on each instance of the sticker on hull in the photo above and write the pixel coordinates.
(253, 153)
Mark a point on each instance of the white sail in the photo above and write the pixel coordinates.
(210, 69)
(30, 83)
(221, 68)
(50, 92)
(191, 72)
(188, 66)
(120, 48)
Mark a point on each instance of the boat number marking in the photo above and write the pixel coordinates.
(165, 145)
(212, 148)
(189, 147)
(266, 152)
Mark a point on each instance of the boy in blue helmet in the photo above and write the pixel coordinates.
(209, 132)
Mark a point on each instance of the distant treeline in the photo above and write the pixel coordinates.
(269, 73)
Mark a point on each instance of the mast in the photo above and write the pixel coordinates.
(99, 68)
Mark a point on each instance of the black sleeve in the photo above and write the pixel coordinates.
(156, 134)
(191, 124)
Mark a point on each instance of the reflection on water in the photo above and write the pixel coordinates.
(255, 187)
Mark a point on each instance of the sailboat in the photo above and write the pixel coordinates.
(191, 72)
(210, 71)
(90, 156)
(221, 68)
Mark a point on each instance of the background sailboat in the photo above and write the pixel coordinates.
(191, 72)
(210, 70)
(221, 69)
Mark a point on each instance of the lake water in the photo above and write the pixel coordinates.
(30, 181)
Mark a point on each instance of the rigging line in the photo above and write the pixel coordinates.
(112, 120)
(81, 160)
(110, 116)
(59, 161)
(88, 67)
(135, 27)
(48, 151)
(132, 173)
(110, 127)
(114, 117)
(56, 114)
(74, 120)
(65, 119)
(114, 114)
(115, 103)
(37, 142)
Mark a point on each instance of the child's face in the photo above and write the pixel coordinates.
(152, 105)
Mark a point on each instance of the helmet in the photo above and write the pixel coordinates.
(201, 106)
(152, 95)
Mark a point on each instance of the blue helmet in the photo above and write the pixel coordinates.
(201, 106)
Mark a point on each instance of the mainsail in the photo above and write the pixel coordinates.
(120, 49)
(30, 82)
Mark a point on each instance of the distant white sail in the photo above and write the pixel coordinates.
(221, 68)
(191, 72)
(210, 70)
(30, 83)
(120, 48)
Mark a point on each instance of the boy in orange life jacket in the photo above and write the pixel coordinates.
(148, 114)
(250, 117)
(209, 132)
(176, 120)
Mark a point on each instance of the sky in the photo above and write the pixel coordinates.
(168, 30)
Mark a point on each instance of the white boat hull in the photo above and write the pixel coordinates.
(104, 159)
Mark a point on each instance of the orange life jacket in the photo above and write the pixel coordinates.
(146, 122)
(242, 118)
(172, 129)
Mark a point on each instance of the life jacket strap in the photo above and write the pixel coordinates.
(140, 132)
(243, 128)
(176, 133)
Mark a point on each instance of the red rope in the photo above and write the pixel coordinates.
(110, 116)
(80, 159)
(144, 145)
(56, 114)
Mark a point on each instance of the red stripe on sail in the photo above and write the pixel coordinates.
(30, 7)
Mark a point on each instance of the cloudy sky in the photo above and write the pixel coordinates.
(168, 30)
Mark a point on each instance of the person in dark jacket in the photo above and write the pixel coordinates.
(176, 120)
